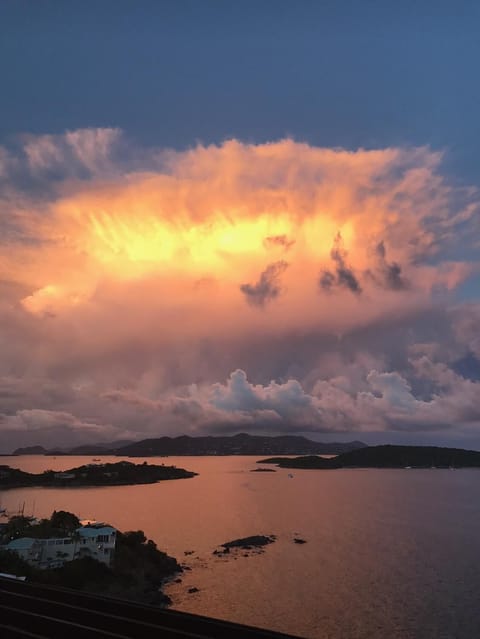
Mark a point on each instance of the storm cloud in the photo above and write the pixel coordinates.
(146, 291)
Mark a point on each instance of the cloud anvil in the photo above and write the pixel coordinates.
(275, 287)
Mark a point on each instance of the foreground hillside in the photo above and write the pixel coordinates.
(137, 573)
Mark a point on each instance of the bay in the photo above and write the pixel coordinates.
(389, 553)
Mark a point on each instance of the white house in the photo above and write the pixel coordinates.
(95, 541)
(27, 548)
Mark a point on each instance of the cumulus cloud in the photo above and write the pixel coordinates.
(134, 281)
(386, 403)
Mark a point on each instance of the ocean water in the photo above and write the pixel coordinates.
(389, 553)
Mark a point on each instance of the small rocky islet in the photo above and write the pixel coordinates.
(254, 543)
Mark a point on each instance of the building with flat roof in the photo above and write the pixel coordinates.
(95, 541)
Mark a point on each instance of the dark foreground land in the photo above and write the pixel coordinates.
(120, 474)
(32, 611)
(386, 457)
(137, 572)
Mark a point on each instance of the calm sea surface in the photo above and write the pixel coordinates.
(389, 553)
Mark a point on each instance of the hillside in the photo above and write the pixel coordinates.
(242, 444)
(387, 456)
(120, 474)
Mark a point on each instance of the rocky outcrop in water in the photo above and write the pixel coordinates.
(255, 541)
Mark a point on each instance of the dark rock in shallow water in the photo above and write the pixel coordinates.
(297, 540)
(192, 590)
(249, 542)
(263, 470)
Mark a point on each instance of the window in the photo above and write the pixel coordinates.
(102, 538)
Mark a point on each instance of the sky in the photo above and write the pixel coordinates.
(221, 217)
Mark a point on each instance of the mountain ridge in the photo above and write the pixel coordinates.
(239, 444)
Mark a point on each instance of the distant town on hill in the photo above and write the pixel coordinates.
(241, 444)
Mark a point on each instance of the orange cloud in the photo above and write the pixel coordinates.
(153, 291)
(209, 215)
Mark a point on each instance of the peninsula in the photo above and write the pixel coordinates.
(119, 474)
(387, 456)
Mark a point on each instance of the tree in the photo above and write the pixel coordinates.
(64, 521)
(132, 538)
(17, 526)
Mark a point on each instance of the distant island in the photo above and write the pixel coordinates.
(106, 448)
(120, 474)
(387, 456)
(241, 444)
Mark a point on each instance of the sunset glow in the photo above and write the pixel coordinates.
(234, 232)
(163, 283)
